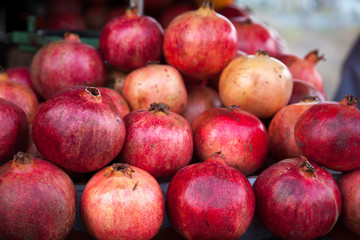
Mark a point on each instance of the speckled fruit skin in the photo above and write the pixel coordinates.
(160, 144)
(79, 129)
(22, 75)
(240, 136)
(131, 41)
(22, 96)
(66, 63)
(37, 200)
(14, 130)
(348, 183)
(329, 134)
(155, 83)
(118, 100)
(294, 202)
(210, 200)
(303, 89)
(122, 203)
(200, 43)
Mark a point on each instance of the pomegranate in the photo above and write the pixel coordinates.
(234, 10)
(79, 129)
(130, 41)
(210, 200)
(37, 200)
(122, 202)
(304, 68)
(117, 99)
(66, 21)
(14, 130)
(22, 75)
(155, 83)
(200, 98)
(115, 79)
(22, 96)
(56, 66)
(297, 199)
(282, 126)
(348, 183)
(303, 89)
(157, 140)
(173, 11)
(329, 134)
(115, 12)
(258, 83)
(239, 135)
(200, 43)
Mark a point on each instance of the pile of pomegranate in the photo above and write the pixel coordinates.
(187, 97)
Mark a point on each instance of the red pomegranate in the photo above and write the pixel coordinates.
(297, 199)
(79, 129)
(304, 68)
(282, 126)
(234, 10)
(66, 63)
(210, 200)
(21, 75)
(200, 98)
(173, 11)
(22, 96)
(14, 130)
(122, 202)
(303, 89)
(118, 100)
(38, 200)
(157, 140)
(155, 83)
(239, 135)
(329, 134)
(131, 41)
(348, 183)
(200, 43)
(258, 83)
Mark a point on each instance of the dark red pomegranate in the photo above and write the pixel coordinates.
(234, 10)
(329, 134)
(79, 129)
(239, 135)
(66, 21)
(38, 200)
(14, 130)
(304, 68)
(118, 100)
(297, 199)
(21, 75)
(66, 63)
(157, 140)
(303, 89)
(200, 43)
(348, 183)
(210, 200)
(131, 41)
(122, 202)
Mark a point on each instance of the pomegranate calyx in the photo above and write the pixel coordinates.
(93, 91)
(260, 52)
(310, 99)
(159, 107)
(132, 11)
(349, 100)
(23, 158)
(306, 167)
(71, 37)
(206, 6)
(120, 167)
(314, 57)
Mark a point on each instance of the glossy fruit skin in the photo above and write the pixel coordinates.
(131, 41)
(329, 134)
(22, 75)
(294, 203)
(348, 183)
(79, 129)
(14, 130)
(240, 136)
(37, 200)
(200, 43)
(122, 205)
(56, 66)
(157, 142)
(118, 100)
(155, 83)
(210, 200)
(303, 89)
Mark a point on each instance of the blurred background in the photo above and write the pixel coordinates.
(331, 26)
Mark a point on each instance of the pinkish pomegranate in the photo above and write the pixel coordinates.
(157, 140)
(239, 135)
(38, 200)
(22, 96)
(131, 41)
(122, 202)
(329, 134)
(155, 83)
(304, 68)
(297, 199)
(210, 200)
(173, 11)
(118, 100)
(79, 129)
(66, 63)
(348, 183)
(303, 89)
(234, 10)
(21, 75)
(200, 43)
(14, 130)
